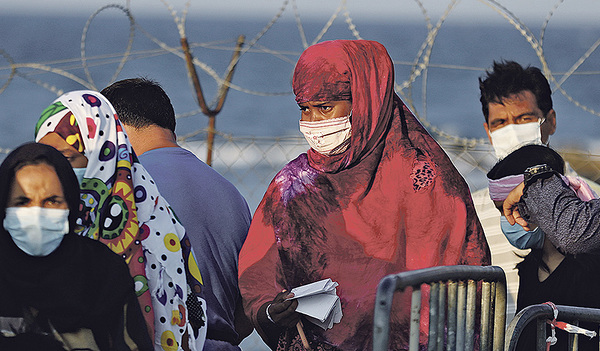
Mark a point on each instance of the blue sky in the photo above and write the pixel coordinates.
(572, 11)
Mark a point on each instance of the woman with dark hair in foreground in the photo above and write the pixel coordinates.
(58, 290)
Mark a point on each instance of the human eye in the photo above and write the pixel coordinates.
(54, 201)
(497, 123)
(527, 119)
(68, 155)
(325, 108)
(20, 201)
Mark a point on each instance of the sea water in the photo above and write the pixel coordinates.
(261, 103)
(48, 53)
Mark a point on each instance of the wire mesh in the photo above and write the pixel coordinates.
(251, 162)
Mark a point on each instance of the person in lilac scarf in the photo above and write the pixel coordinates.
(547, 273)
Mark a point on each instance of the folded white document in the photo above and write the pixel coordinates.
(319, 302)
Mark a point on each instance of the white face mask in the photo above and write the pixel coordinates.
(328, 137)
(79, 173)
(511, 137)
(35, 230)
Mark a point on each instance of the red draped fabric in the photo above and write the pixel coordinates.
(392, 202)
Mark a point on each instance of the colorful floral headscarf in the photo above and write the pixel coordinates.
(121, 207)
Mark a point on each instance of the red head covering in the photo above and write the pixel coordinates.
(392, 202)
(356, 70)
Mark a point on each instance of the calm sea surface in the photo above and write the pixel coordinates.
(50, 57)
(460, 52)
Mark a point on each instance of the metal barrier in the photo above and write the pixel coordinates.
(452, 307)
(543, 312)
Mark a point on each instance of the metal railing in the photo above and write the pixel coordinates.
(454, 292)
(540, 314)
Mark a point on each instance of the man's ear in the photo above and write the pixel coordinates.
(549, 126)
(487, 130)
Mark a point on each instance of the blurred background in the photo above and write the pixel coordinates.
(440, 49)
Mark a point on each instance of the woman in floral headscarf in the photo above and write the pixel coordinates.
(121, 207)
(374, 195)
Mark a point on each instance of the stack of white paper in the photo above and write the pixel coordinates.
(319, 302)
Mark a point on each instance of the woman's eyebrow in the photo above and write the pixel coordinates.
(20, 198)
(67, 151)
(54, 197)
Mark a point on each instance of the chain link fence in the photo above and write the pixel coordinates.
(251, 162)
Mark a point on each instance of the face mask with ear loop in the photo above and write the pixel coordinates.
(328, 137)
(520, 238)
(37, 231)
(79, 173)
(511, 137)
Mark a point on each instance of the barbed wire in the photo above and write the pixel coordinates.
(419, 67)
(125, 54)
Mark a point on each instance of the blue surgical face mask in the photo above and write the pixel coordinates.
(79, 172)
(35, 230)
(520, 238)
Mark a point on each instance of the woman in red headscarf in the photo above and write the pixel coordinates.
(374, 195)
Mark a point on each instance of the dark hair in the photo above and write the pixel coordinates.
(35, 153)
(508, 78)
(521, 159)
(141, 102)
